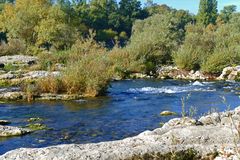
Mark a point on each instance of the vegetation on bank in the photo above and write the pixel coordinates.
(100, 39)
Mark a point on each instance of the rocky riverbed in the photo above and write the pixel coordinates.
(214, 136)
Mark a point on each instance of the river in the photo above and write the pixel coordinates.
(129, 108)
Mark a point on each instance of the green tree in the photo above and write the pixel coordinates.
(155, 39)
(207, 12)
(35, 22)
(129, 11)
(227, 12)
(227, 50)
(198, 45)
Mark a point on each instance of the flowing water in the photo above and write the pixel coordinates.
(130, 107)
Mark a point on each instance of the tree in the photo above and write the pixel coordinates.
(154, 39)
(198, 45)
(129, 11)
(207, 12)
(227, 12)
(158, 9)
(35, 22)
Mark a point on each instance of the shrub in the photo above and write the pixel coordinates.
(50, 85)
(84, 47)
(87, 71)
(155, 39)
(219, 60)
(198, 45)
(89, 75)
(48, 59)
(227, 50)
(123, 62)
(14, 46)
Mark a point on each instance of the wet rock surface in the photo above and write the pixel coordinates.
(178, 134)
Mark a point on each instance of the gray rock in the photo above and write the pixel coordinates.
(179, 122)
(7, 131)
(176, 73)
(18, 59)
(7, 76)
(40, 74)
(4, 122)
(226, 121)
(12, 95)
(204, 139)
(230, 73)
(167, 113)
(214, 118)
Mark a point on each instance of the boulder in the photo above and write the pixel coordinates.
(213, 118)
(8, 131)
(230, 73)
(167, 113)
(4, 122)
(12, 95)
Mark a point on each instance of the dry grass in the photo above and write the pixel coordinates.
(50, 85)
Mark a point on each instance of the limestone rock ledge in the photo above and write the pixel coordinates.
(210, 134)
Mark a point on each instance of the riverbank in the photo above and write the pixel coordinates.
(211, 136)
(18, 74)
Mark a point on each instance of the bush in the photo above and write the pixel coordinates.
(123, 62)
(155, 39)
(87, 72)
(227, 50)
(14, 46)
(89, 75)
(84, 47)
(198, 45)
(50, 85)
(48, 59)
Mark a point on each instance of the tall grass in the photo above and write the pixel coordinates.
(88, 71)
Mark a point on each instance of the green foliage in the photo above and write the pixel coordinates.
(158, 9)
(36, 126)
(207, 13)
(123, 62)
(92, 81)
(36, 22)
(10, 67)
(53, 30)
(156, 38)
(198, 45)
(212, 48)
(227, 51)
(87, 71)
(48, 60)
(227, 12)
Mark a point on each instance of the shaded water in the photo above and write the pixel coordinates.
(129, 108)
